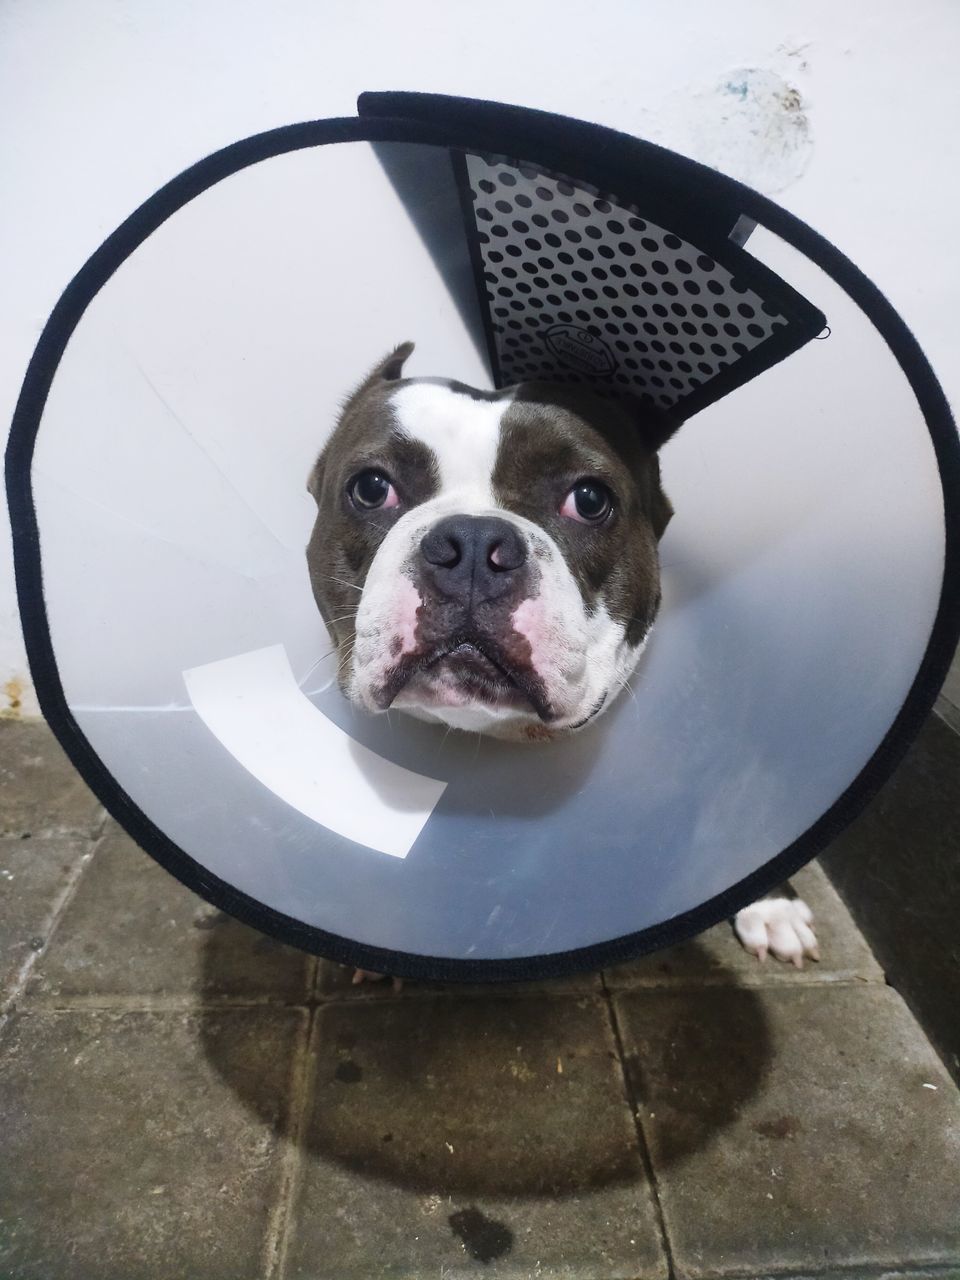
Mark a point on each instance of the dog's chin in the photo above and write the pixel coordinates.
(470, 685)
(466, 675)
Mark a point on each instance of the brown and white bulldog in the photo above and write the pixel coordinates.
(488, 560)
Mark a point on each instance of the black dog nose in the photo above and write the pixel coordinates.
(472, 559)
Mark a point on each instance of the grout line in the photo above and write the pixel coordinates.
(310, 999)
(948, 712)
(785, 983)
(280, 1225)
(316, 995)
(936, 1270)
(49, 835)
(312, 980)
(185, 1002)
(49, 926)
(413, 990)
(146, 1003)
(455, 990)
(646, 1158)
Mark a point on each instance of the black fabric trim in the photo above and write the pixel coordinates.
(612, 160)
(459, 163)
(804, 320)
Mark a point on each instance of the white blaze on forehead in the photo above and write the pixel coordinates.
(462, 433)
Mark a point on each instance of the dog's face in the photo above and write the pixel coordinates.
(488, 560)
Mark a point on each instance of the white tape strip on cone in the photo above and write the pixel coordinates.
(254, 707)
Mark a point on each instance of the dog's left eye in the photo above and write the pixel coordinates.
(372, 489)
(589, 502)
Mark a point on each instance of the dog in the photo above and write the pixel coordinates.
(488, 560)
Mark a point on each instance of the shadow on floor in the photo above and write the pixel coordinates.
(480, 1092)
(898, 870)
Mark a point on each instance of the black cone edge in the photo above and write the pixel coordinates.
(612, 161)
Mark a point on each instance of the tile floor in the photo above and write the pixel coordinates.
(183, 1098)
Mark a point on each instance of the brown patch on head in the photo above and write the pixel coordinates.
(344, 540)
(553, 437)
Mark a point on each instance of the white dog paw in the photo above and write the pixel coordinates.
(781, 926)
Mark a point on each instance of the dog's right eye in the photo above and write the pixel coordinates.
(588, 502)
(372, 489)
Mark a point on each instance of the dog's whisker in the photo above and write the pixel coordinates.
(329, 654)
(344, 659)
(310, 670)
(343, 582)
(624, 683)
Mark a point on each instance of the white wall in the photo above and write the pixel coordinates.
(846, 113)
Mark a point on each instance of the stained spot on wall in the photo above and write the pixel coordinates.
(752, 124)
(12, 699)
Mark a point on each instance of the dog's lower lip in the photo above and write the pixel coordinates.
(473, 653)
(478, 654)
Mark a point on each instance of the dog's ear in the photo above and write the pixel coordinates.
(389, 369)
(315, 479)
(656, 426)
(661, 508)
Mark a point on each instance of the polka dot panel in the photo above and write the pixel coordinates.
(583, 290)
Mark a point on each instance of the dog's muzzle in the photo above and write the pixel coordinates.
(470, 572)
(472, 561)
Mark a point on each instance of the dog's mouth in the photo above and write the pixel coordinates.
(464, 670)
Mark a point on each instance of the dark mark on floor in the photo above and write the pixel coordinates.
(348, 1072)
(781, 1127)
(483, 1238)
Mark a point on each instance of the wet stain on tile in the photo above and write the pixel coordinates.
(779, 1128)
(348, 1072)
(483, 1238)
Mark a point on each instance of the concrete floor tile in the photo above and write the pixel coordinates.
(132, 931)
(948, 704)
(40, 791)
(716, 957)
(898, 866)
(34, 875)
(459, 1137)
(128, 1152)
(795, 1129)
